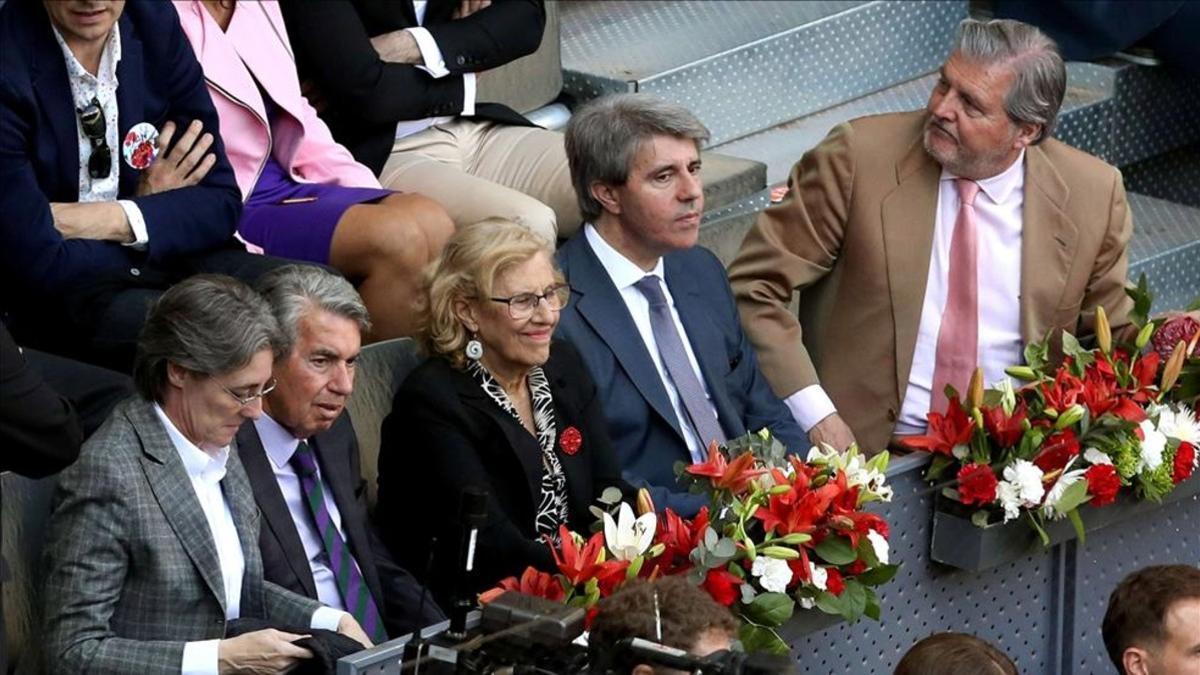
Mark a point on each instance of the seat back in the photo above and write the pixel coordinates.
(24, 511)
(531, 81)
(381, 368)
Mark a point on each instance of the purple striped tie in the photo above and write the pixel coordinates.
(356, 597)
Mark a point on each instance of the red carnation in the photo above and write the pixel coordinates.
(722, 585)
(570, 440)
(1182, 328)
(1103, 483)
(1185, 460)
(977, 484)
(1057, 450)
(833, 582)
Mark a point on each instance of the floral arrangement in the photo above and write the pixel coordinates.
(779, 532)
(1105, 421)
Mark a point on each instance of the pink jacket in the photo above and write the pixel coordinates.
(256, 48)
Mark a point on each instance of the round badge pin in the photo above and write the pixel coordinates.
(140, 146)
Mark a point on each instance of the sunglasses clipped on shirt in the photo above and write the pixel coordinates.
(91, 120)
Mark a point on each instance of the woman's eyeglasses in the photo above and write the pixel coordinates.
(522, 305)
(91, 120)
(247, 399)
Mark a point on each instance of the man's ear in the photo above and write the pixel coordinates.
(1027, 133)
(607, 196)
(1136, 661)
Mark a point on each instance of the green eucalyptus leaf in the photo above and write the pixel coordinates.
(610, 496)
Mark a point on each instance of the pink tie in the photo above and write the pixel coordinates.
(958, 337)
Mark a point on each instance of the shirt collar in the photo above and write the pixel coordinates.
(621, 270)
(1000, 187)
(199, 464)
(109, 57)
(279, 443)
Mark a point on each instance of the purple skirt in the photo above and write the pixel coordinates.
(296, 220)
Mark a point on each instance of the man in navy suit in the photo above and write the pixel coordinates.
(89, 233)
(652, 313)
(323, 318)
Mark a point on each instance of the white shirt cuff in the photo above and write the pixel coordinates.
(809, 406)
(435, 65)
(326, 618)
(136, 223)
(468, 94)
(200, 658)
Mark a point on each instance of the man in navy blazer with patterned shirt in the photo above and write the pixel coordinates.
(87, 240)
(651, 313)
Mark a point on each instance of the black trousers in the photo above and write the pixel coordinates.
(99, 323)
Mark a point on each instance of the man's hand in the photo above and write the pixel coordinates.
(833, 432)
(184, 165)
(468, 7)
(350, 628)
(102, 221)
(262, 652)
(398, 46)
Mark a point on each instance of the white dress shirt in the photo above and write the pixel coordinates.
(205, 472)
(435, 65)
(103, 87)
(998, 219)
(624, 274)
(280, 445)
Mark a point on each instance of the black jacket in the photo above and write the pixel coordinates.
(365, 97)
(445, 434)
(396, 592)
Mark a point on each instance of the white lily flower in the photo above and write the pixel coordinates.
(628, 537)
(1094, 456)
(1066, 480)
(1152, 446)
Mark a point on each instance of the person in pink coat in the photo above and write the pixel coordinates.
(305, 196)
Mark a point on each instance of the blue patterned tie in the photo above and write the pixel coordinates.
(670, 346)
(356, 597)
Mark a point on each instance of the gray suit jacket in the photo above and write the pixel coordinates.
(131, 568)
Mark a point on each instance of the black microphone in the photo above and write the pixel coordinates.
(472, 515)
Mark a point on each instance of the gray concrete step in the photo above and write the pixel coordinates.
(746, 66)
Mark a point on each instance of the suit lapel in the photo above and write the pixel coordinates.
(52, 88)
(331, 448)
(517, 440)
(1048, 239)
(705, 338)
(908, 214)
(272, 505)
(130, 101)
(172, 488)
(577, 467)
(600, 305)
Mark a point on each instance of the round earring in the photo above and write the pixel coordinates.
(474, 348)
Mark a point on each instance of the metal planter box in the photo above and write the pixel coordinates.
(957, 542)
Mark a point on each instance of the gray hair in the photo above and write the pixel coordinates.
(209, 324)
(294, 289)
(1041, 77)
(604, 135)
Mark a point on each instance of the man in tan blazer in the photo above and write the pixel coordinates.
(869, 237)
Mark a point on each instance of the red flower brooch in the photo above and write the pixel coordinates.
(570, 440)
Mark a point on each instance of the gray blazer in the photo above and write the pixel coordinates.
(131, 568)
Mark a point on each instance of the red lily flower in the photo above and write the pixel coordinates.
(580, 565)
(799, 509)
(1127, 409)
(726, 475)
(679, 538)
(1145, 371)
(1057, 450)
(847, 520)
(722, 585)
(945, 431)
(1063, 392)
(532, 582)
(1099, 394)
(1005, 429)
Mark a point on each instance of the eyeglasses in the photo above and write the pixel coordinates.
(244, 401)
(522, 305)
(91, 120)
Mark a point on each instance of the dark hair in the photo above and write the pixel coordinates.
(686, 612)
(954, 654)
(1139, 604)
(210, 324)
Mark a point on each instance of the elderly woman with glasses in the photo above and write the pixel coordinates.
(498, 406)
(152, 547)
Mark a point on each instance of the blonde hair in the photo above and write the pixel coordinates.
(467, 268)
